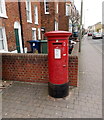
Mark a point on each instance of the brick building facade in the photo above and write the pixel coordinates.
(24, 21)
(63, 18)
(60, 16)
(21, 23)
(56, 18)
(49, 16)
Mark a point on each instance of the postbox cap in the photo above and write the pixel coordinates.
(58, 33)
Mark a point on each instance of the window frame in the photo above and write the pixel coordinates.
(39, 33)
(3, 7)
(28, 10)
(4, 40)
(45, 5)
(34, 29)
(68, 12)
(70, 25)
(36, 14)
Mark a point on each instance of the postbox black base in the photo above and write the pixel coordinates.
(58, 91)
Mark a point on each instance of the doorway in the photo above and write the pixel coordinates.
(18, 38)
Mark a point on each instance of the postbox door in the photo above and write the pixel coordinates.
(60, 65)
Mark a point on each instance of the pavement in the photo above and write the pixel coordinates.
(26, 100)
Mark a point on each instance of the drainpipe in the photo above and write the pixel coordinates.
(19, 8)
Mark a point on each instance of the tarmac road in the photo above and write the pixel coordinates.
(98, 44)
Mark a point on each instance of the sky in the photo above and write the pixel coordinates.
(92, 11)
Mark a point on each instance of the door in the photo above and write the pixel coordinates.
(17, 40)
(58, 63)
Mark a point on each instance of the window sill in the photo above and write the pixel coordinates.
(15, 51)
(4, 16)
(4, 51)
(29, 21)
(36, 23)
(46, 13)
(33, 28)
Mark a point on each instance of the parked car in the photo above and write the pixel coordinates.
(103, 34)
(97, 35)
(89, 33)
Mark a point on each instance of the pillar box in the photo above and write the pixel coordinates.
(58, 86)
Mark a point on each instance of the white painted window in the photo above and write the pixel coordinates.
(33, 33)
(28, 11)
(46, 6)
(39, 33)
(56, 25)
(68, 9)
(3, 9)
(36, 14)
(70, 25)
(3, 41)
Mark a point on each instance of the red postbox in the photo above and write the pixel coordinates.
(58, 63)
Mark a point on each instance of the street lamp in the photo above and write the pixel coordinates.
(80, 37)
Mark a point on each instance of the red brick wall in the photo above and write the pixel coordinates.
(73, 70)
(33, 68)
